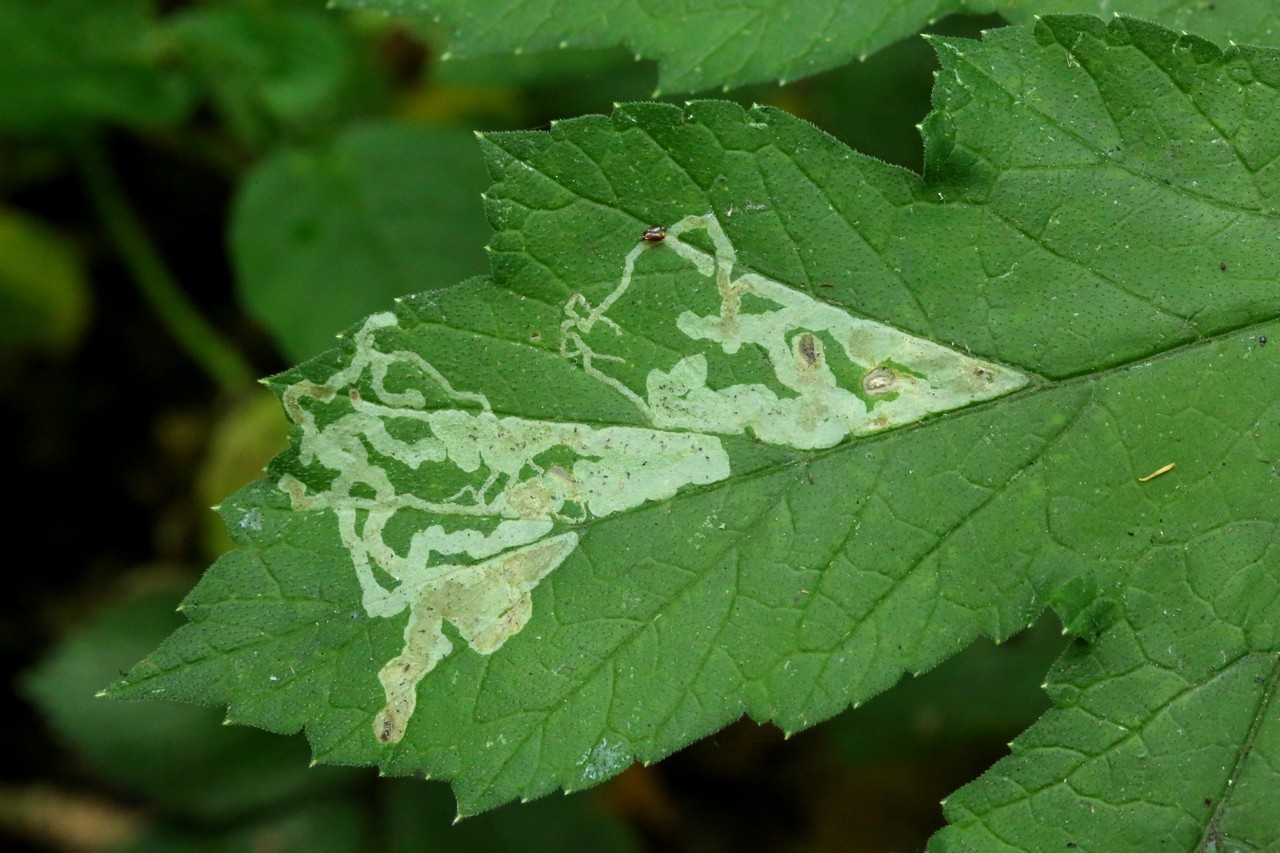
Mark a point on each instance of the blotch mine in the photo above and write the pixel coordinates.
(474, 552)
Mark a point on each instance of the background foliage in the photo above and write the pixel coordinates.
(198, 193)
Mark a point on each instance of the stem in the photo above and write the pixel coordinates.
(215, 355)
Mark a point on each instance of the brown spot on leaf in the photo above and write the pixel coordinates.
(882, 380)
(808, 349)
(384, 726)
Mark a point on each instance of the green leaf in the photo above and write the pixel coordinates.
(332, 826)
(44, 295)
(729, 43)
(74, 61)
(839, 423)
(180, 758)
(270, 70)
(322, 236)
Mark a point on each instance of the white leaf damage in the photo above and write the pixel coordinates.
(455, 514)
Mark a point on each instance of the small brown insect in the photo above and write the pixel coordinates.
(808, 348)
(654, 234)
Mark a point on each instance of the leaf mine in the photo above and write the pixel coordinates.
(475, 554)
(805, 405)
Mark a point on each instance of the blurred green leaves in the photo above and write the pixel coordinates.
(44, 295)
(271, 71)
(66, 63)
(322, 236)
(73, 62)
(177, 756)
(215, 788)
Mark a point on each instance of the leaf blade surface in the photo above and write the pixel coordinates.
(814, 572)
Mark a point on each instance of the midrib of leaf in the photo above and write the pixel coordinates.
(1211, 835)
(770, 470)
(1043, 386)
(938, 421)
